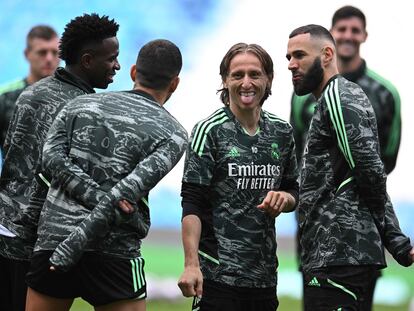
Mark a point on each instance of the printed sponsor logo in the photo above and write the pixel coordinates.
(254, 176)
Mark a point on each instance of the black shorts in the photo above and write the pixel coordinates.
(13, 286)
(98, 279)
(221, 297)
(345, 288)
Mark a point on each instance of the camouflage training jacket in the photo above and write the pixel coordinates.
(238, 241)
(103, 148)
(342, 193)
(384, 99)
(36, 108)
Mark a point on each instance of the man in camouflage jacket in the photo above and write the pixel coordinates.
(21, 191)
(342, 199)
(106, 151)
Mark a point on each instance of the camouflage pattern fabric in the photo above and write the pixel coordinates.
(101, 149)
(384, 99)
(343, 184)
(36, 108)
(240, 170)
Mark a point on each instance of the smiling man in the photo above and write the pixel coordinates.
(103, 149)
(90, 49)
(240, 174)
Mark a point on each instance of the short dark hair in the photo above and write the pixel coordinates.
(238, 48)
(44, 32)
(82, 31)
(158, 62)
(315, 31)
(348, 11)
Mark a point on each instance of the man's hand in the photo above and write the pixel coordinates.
(191, 282)
(126, 207)
(411, 254)
(276, 202)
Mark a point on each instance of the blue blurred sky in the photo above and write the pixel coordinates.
(140, 21)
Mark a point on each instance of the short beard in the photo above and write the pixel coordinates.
(311, 80)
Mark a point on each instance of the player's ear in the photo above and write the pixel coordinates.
(365, 36)
(26, 53)
(328, 55)
(86, 60)
(174, 84)
(133, 72)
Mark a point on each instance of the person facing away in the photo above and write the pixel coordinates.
(104, 153)
(239, 175)
(90, 48)
(41, 52)
(343, 224)
(348, 28)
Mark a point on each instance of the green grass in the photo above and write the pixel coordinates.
(155, 305)
(286, 304)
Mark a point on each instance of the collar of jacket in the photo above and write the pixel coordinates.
(63, 75)
(353, 76)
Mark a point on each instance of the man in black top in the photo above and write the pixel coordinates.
(42, 54)
(104, 151)
(239, 176)
(343, 223)
(90, 48)
(349, 31)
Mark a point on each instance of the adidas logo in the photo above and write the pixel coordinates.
(314, 282)
(234, 152)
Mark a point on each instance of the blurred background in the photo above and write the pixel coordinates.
(204, 30)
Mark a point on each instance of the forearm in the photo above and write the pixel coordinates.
(191, 231)
(149, 171)
(191, 280)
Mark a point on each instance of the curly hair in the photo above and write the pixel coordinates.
(82, 31)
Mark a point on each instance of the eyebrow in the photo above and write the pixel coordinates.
(295, 52)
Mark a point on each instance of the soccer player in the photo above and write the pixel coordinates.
(342, 200)
(105, 152)
(240, 174)
(349, 31)
(90, 48)
(42, 54)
